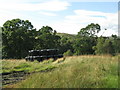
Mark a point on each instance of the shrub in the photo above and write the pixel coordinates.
(68, 53)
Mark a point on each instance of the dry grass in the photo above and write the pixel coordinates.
(86, 71)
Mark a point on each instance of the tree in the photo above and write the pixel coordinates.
(47, 38)
(0, 43)
(104, 46)
(16, 40)
(65, 44)
(86, 39)
(83, 45)
(116, 43)
(90, 30)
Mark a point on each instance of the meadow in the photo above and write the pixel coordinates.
(86, 71)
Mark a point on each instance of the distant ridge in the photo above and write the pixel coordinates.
(71, 37)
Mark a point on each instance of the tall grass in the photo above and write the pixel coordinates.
(21, 65)
(76, 72)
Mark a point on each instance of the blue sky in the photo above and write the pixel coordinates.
(97, 6)
(65, 16)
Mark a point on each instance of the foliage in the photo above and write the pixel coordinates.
(90, 30)
(116, 43)
(16, 40)
(104, 46)
(19, 36)
(86, 39)
(83, 45)
(65, 44)
(68, 53)
(47, 38)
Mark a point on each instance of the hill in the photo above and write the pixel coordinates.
(73, 72)
(71, 37)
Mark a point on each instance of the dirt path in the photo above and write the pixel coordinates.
(11, 78)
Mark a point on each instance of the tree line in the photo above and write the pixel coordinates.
(20, 36)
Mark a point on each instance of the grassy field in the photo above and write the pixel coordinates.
(28, 67)
(71, 72)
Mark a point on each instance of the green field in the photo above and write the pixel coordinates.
(86, 71)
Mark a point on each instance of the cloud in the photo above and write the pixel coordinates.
(8, 15)
(47, 13)
(30, 9)
(93, 0)
(81, 18)
(54, 5)
(84, 17)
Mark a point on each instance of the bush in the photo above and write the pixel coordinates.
(104, 46)
(68, 53)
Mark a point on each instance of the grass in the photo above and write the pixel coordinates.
(75, 72)
(28, 67)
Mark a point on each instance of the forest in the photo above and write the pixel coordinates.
(20, 36)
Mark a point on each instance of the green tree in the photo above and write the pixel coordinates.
(16, 40)
(83, 45)
(116, 43)
(86, 39)
(47, 38)
(104, 46)
(65, 44)
(90, 30)
(0, 43)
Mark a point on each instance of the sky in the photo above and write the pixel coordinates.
(64, 16)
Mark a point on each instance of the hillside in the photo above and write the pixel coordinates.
(66, 35)
(73, 72)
